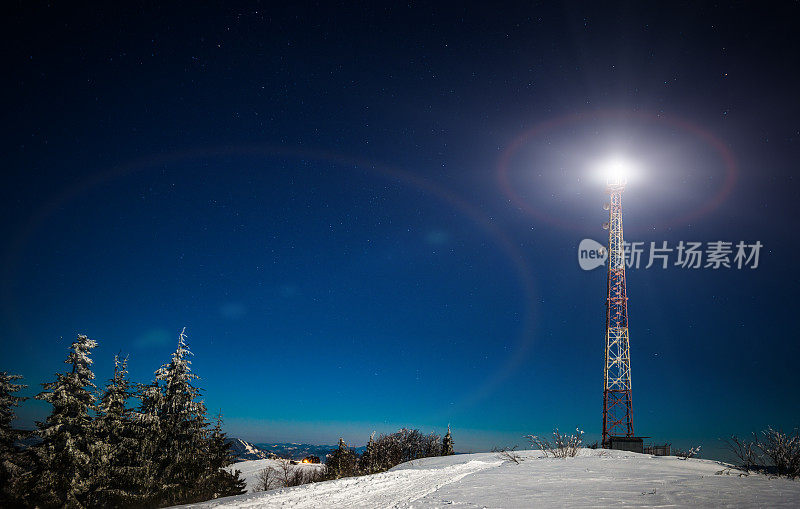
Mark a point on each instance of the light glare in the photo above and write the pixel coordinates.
(616, 170)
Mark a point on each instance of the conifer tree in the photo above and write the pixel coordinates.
(147, 430)
(182, 422)
(219, 481)
(447, 443)
(64, 457)
(367, 461)
(116, 477)
(342, 462)
(9, 468)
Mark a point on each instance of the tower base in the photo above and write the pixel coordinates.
(632, 444)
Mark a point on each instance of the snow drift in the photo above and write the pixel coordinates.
(593, 478)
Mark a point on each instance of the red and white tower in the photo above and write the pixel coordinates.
(617, 411)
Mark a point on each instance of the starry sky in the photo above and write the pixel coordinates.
(367, 216)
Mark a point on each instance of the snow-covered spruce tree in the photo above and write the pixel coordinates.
(147, 430)
(10, 469)
(183, 435)
(116, 479)
(367, 464)
(447, 443)
(63, 459)
(218, 481)
(342, 462)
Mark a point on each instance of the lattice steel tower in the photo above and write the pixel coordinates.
(617, 412)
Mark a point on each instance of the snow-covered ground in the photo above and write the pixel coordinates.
(595, 478)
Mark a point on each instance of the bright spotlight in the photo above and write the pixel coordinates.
(616, 171)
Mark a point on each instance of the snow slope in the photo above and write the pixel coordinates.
(250, 469)
(595, 478)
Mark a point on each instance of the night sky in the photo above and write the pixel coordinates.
(368, 217)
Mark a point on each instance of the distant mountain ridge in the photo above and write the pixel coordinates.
(300, 451)
(243, 450)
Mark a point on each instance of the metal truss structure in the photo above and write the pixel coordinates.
(617, 411)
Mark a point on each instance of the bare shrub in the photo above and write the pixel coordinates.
(285, 475)
(298, 476)
(508, 454)
(563, 445)
(285, 472)
(690, 453)
(783, 450)
(267, 479)
(404, 445)
(745, 451)
(313, 474)
(770, 451)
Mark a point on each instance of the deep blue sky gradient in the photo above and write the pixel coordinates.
(313, 192)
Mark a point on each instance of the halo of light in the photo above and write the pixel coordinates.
(517, 353)
(542, 128)
(616, 169)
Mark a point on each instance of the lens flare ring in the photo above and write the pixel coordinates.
(543, 128)
(518, 351)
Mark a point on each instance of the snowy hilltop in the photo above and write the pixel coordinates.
(595, 478)
(243, 450)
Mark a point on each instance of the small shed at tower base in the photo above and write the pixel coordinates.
(632, 444)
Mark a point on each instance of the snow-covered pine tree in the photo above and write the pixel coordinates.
(183, 433)
(64, 457)
(147, 429)
(447, 443)
(218, 480)
(336, 461)
(117, 448)
(342, 462)
(9, 464)
(367, 462)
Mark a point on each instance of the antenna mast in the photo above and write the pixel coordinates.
(617, 411)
